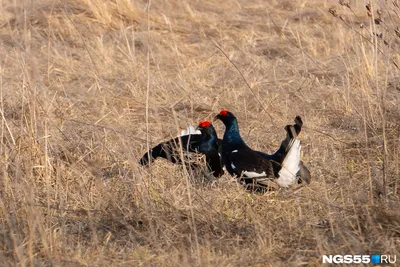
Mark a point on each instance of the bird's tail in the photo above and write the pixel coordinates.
(291, 162)
(167, 150)
(298, 123)
(150, 156)
(190, 130)
(292, 131)
(170, 150)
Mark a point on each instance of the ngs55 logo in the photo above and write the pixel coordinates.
(374, 259)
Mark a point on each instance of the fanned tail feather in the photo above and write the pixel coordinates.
(170, 150)
(291, 162)
(161, 150)
(290, 165)
(190, 130)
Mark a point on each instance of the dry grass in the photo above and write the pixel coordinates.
(75, 76)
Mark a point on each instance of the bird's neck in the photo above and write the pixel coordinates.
(232, 135)
(208, 142)
(209, 138)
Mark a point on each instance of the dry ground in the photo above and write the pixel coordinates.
(79, 76)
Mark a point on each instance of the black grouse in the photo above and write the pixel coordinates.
(240, 160)
(203, 141)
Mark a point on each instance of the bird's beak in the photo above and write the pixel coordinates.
(216, 118)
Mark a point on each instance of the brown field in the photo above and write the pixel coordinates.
(87, 85)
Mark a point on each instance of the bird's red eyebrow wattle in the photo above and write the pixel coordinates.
(223, 112)
(204, 124)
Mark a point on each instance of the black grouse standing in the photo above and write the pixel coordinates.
(240, 160)
(203, 141)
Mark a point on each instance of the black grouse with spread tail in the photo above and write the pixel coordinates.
(242, 161)
(203, 141)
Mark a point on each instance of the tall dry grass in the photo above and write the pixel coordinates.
(86, 86)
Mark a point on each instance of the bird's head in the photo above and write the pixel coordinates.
(226, 117)
(205, 127)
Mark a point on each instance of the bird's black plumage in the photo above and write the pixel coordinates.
(204, 143)
(246, 161)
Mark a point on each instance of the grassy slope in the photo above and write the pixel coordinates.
(74, 80)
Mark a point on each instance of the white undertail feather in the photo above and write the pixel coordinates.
(290, 165)
(190, 130)
(253, 174)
